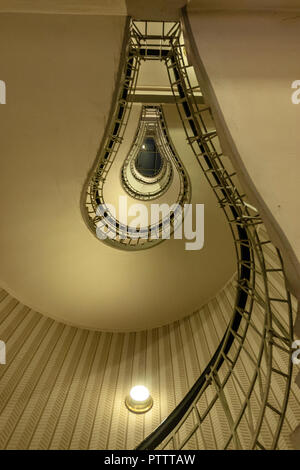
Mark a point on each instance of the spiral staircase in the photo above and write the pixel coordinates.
(261, 325)
(242, 395)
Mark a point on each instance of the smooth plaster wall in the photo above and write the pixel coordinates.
(70, 7)
(246, 62)
(61, 72)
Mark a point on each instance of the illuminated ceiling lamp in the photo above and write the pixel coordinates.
(139, 399)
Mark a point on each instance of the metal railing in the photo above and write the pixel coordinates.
(153, 187)
(240, 399)
(97, 215)
(260, 318)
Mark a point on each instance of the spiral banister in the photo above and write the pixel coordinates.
(245, 386)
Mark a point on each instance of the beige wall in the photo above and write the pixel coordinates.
(61, 72)
(168, 10)
(246, 62)
(64, 388)
(73, 7)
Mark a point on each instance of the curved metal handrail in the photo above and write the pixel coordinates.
(97, 215)
(258, 312)
(276, 333)
(152, 187)
(174, 418)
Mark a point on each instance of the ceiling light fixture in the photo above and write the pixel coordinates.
(139, 399)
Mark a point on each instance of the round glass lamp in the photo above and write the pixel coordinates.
(139, 399)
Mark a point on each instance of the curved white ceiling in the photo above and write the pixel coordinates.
(60, 73)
